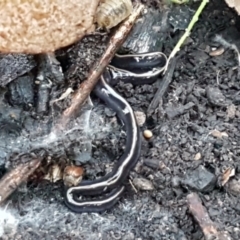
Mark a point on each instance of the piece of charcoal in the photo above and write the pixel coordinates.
(14, 65)
(49, 68)
(162, 89)
(180, 17)
(80, 152)
(196, 128)
(174, 112)
(215, 97)
(21, 91)
(55, 69)
(148, 33)
(10, 129)
(227, 37)
(153, 163)
(43, 97)
(200, 180)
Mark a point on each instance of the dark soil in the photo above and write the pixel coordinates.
(184, 154)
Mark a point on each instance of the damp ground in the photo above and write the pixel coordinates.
(195, 141)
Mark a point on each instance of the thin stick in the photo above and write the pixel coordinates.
(11, 180)
(180, 1)
(162, 89)
(187, 31)
(87, 86)
(200, 214)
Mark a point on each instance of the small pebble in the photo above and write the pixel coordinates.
(216, 97)
(176, 182)
(200, 179)
(197, 156)
(128, 236)
(152, 163)
(233, 186)
(147, 134)
(143, 184)
(140, 117)
(231, 111)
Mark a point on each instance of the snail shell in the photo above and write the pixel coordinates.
(111, 12)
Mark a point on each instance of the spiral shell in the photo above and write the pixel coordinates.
(111, 12)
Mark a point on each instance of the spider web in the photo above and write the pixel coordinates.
(36, 135)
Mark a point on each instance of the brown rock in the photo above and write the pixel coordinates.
(234, 4)
(37, 26)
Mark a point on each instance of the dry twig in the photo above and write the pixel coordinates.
(162, 89)
(87, 86)
(200, 214)
(11, 180)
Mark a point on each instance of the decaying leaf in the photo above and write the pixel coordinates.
(54, 174)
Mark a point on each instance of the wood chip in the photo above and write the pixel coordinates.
(227, 174)
(55, 174)
(218, 134)
(217, 52)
